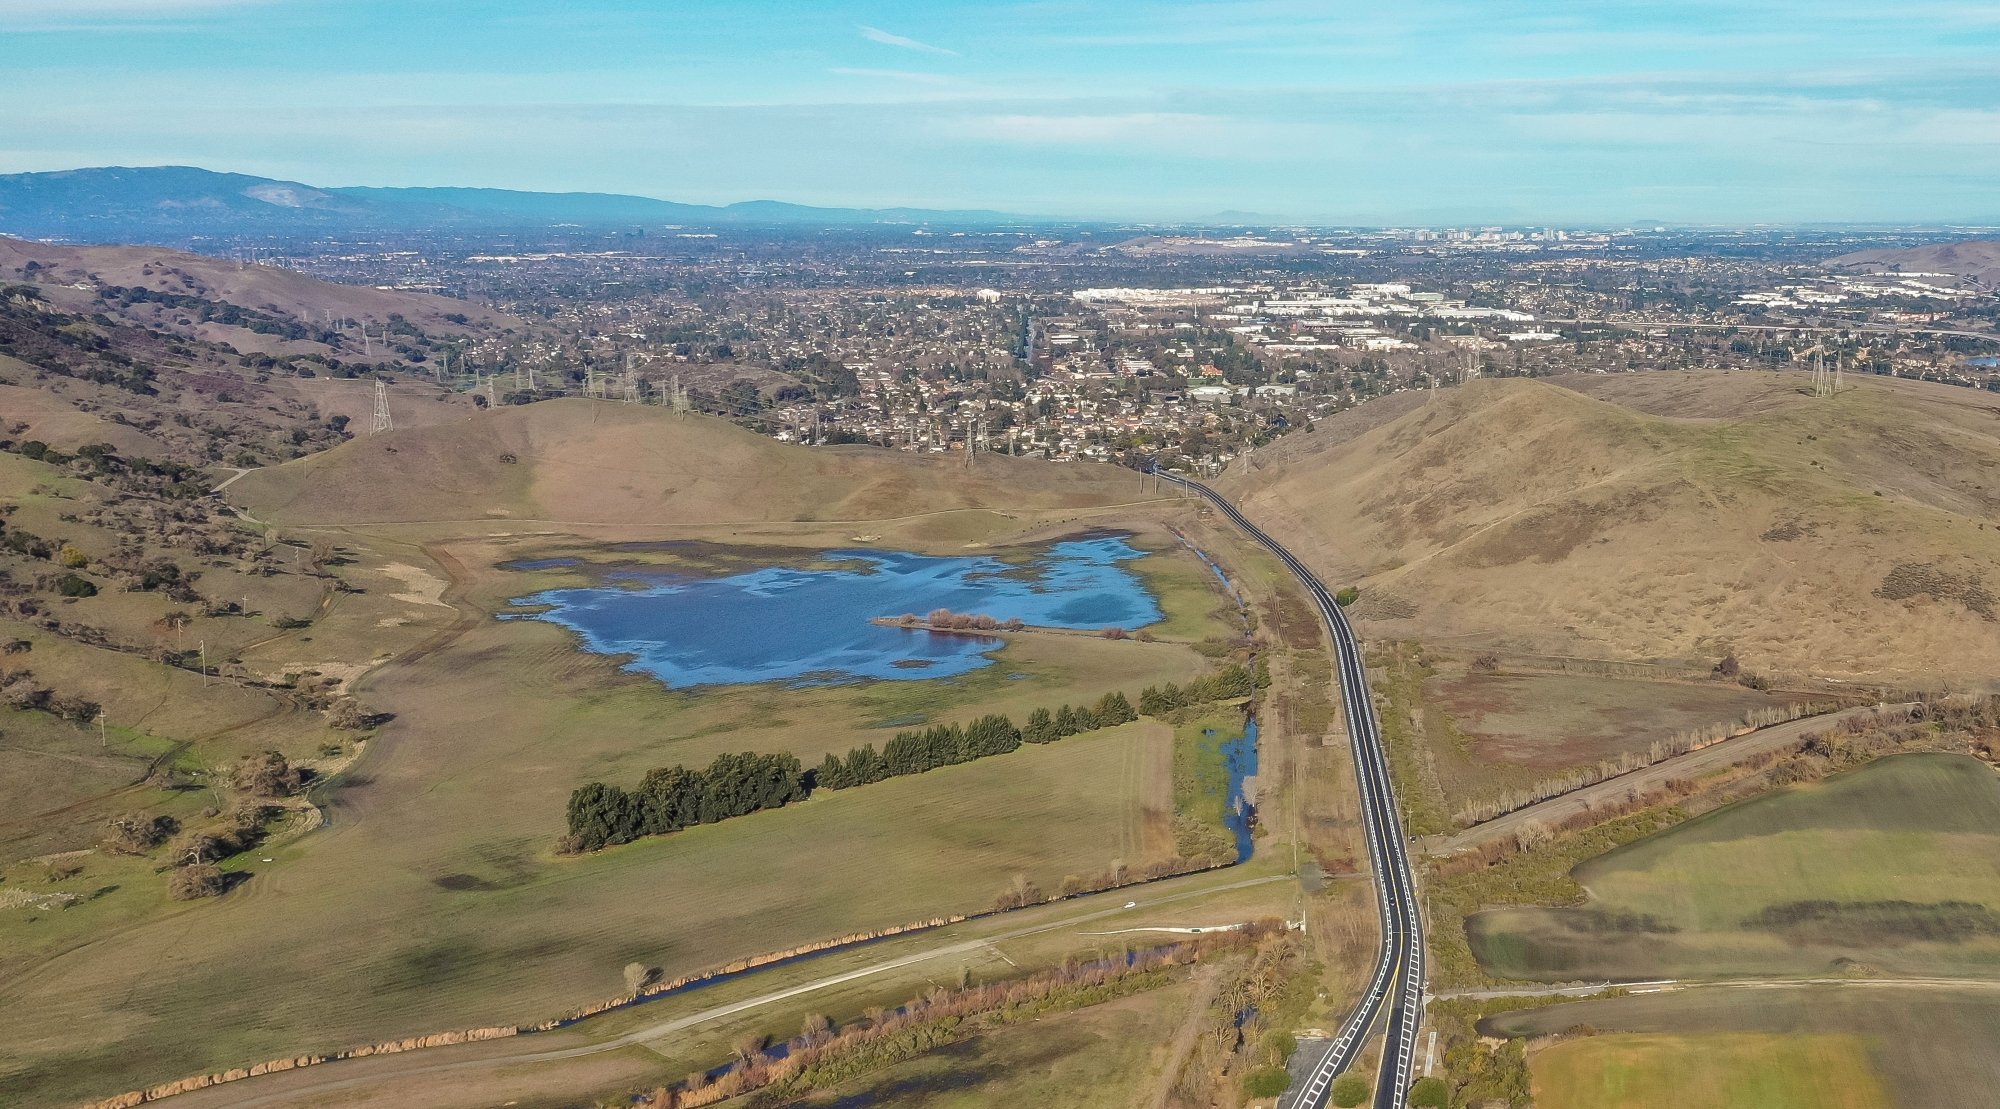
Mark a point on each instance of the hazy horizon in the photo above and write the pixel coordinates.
(1583, 112)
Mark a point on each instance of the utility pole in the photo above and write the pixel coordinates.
(204, 664)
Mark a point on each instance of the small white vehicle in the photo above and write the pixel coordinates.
(1131, 904)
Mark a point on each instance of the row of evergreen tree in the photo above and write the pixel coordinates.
(675, 797)
(1226, 684)
(948, 744)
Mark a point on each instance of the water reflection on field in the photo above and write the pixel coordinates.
(811, 626)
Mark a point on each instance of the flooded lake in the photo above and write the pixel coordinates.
(811, 626)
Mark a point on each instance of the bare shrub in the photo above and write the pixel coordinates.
(268, 774)
(638, 976)
(1531, 835)
(191, 883)
(137, 833)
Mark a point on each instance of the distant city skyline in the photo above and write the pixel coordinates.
(1579, 112)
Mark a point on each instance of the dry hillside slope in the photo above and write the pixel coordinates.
(1857, 536)
(1975, 258)
(251, 286)
(587, 462)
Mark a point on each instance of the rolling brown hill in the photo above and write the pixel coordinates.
(581, 461)
(1977, 258)
(1668, 515)
(265, 288)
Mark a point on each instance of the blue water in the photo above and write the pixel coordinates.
(1240, 755)
(811, 626)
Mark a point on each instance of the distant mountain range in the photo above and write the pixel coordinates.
(123, 204)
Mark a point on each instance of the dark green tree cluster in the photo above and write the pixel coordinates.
(1226, 684)
(916, 752)
(1046, 727)
(675, 797)
(948, 744)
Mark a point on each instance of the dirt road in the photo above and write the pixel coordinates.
(1691, 765)
(380, 1076)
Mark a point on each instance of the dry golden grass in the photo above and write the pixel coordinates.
(585, 462)
(253, 286)
(1521, 514)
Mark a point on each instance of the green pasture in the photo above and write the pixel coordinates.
(1710, 1071)
(1922, 1046)
(1894, 867)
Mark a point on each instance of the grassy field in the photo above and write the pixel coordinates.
(1201, 772)
(60, 780)
(496, 930)
(1921, 1046)
(1103, 1057)
(1711, 1071)
(452, 815)
(987, 949)
(1492, 732)
(1894, 867)
(432, 899)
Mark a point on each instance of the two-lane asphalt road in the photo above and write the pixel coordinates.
(1398, 981)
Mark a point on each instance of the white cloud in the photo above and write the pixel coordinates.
(876, 34)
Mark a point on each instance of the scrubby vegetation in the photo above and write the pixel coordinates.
(1481, 1072)
(1243, 1029)
(823, 1055)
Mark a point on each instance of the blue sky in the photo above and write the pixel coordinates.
(1393, 111)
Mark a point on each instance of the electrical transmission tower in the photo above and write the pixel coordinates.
(382, 420)
(1824, 383)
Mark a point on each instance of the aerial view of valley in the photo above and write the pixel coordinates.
(1152, 554)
